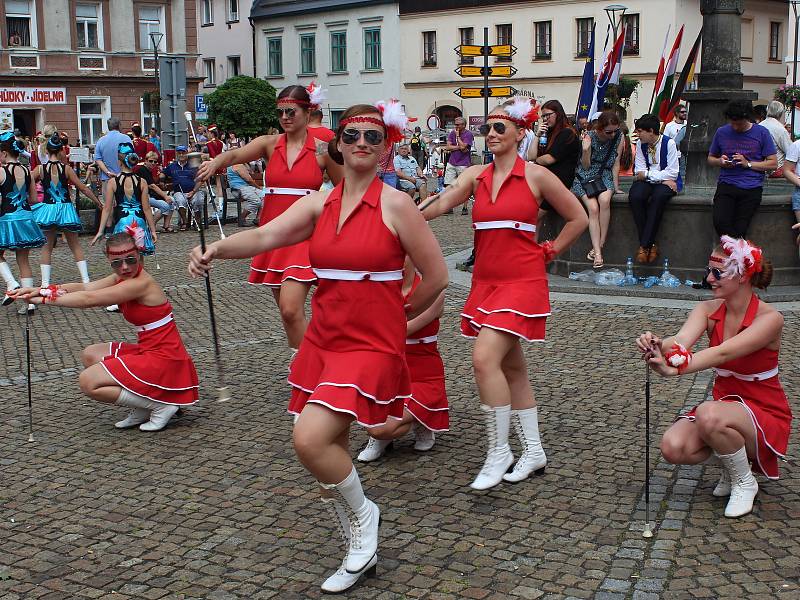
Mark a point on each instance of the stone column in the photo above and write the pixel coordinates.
(720, 81)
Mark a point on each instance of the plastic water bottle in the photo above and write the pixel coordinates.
(543, 138)
(630, 278)
(667, 279)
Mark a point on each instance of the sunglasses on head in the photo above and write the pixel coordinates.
(498, 126)
(128, 260)
(714, 272)
(372, 136)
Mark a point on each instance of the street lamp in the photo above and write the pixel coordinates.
(155, 39)
(794, 4)
(616, 19)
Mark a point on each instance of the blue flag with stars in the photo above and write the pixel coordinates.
(586, 94)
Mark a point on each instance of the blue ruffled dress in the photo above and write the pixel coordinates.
(128, 209)
(18, 230)
(56, 212)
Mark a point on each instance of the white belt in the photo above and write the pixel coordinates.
(504, 225)
(274, 191)
(343, 275)
(155, 324)
(748, 376)
(424, 340)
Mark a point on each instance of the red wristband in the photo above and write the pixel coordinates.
(549, 251)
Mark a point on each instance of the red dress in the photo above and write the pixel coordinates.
(351, 359)
(214, 148)
(509, 283)
(322, 133)
(753, 381)
(428, 402)
(273, 267)
(158, 366)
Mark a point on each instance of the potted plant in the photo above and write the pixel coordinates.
(789, 95)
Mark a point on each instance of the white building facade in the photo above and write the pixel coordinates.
(224, 41)
(351, 47)
(552, 37)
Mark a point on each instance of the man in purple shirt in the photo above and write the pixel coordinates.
(743, 151)
(459, 145)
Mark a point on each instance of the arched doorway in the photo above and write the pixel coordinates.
(447, 115)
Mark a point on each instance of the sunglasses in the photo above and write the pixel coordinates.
(128, 260)
(498, 126)
(372, 136)
(611, 132)
(153, 162)
(288, 113)
(714, 272)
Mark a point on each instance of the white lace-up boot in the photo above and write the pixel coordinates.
(159, 417)
(140, 412)
(498, 455)
(373, 450)
(744, 486)
(533, 459)
(342, 580)
(723, 487)
(424, 438)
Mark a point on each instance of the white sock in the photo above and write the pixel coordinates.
(83, 269)
(28, 282)
(8, 277)
(132, 400)
(351, 490)
(46, 270)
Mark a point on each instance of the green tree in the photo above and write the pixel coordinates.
(244, 105)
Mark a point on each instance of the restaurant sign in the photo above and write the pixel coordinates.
(22, 96)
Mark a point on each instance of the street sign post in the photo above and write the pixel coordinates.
(200, 107)
(504, 91)
(494, 71)
(501, 50)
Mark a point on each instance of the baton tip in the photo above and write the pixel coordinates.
(30, 437)
(647, 533)
(223, 394)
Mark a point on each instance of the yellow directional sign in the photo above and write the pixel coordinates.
(494, 71)
(505, 50)
(504, 91)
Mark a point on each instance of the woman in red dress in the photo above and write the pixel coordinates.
(153, 377)
(426, 410)
(509, 300)
(350, 366)
(215, 147)
(295, 162)
(749, 418)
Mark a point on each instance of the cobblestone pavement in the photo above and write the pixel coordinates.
(217, 506)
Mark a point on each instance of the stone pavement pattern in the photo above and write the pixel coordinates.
(217, 506)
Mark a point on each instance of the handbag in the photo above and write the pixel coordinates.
(595, 186)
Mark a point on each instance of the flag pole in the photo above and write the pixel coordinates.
(661, 67)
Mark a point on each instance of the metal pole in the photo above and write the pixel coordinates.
(794, 64)
(485, 73)
(158, 90)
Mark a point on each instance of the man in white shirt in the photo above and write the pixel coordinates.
(409, 176)
(676, 129)
(775, 124)
(657, 173)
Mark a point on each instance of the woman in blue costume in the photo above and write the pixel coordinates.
(131, 205)
(18, 231)
(57, 213)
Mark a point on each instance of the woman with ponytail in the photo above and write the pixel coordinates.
(509, 300)
(153, 377)
(350, 366)
(295, 163)
(18, 230)
(56, 213)
(749, 419)
(129, 200)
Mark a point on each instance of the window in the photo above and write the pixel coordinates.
(336, 116)
(372, 49)
(150, 21)
(584, 36)
(234, 66)
(20, 24)
(308, 54)
(233, 11)
(467, 37)
(338, 51)
(274, 57)
(207, 12)
(774, 41)
(91, 113)
(631, 34)
(428, 48)
(503, 38)
(87, 21)
(209, 68)
(543, 30)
